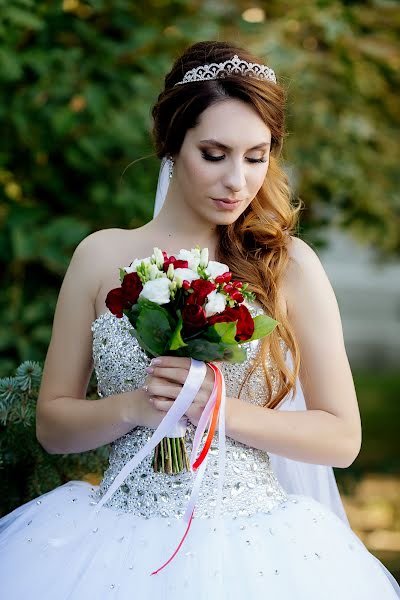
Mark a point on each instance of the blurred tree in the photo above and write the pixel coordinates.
(78, 80)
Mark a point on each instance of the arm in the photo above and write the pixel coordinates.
(329, 432)
(66, 421)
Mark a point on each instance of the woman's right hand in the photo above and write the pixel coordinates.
(141, 411)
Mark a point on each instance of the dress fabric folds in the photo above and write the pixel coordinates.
(274, 537)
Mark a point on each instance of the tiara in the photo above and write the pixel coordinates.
(233, 66)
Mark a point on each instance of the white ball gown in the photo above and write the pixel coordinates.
(266, 542)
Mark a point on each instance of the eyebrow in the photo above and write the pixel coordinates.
(224, 147)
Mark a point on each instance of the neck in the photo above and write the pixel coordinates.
(178, 226)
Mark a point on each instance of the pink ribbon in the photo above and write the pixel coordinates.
(191, 387)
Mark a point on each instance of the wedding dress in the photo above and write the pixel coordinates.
(267, 542)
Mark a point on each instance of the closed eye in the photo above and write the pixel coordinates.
(212, 158)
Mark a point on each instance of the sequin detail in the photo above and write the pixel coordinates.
(250, 485)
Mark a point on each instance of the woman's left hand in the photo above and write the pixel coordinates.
(167, 379)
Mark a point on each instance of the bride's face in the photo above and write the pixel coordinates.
(225, 156)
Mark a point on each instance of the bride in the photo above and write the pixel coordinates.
(291, 407)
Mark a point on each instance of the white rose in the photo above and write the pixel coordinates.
(186, 274)
(133, 266)
(192, 256)
(157, 290)
(215, 268)
(216, 303)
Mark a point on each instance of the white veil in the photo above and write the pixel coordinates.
(317, 481)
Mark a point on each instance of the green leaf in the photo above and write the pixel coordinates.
(23, 18)
(202, 349)
(233, 353)
(176, 339)
(145, 303)
(263, 326)
(153, 330)
(227, 331)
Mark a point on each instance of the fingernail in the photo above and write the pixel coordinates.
(149, 369)
(155, 361)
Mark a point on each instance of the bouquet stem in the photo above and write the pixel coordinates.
(170, 456)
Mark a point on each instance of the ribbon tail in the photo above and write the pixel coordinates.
(184, 399)
(203, 421)
(221, 447)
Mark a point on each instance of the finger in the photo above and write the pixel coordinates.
(170, 373)
(161, 403)
(182, 362)
(162, 389)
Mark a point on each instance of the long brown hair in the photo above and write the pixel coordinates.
(255, 245)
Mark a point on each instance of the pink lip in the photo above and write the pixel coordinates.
(226, 200)
(226, 203)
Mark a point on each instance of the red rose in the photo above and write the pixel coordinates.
(194, 318)
(245, 323)
(201, 288)
(115, 302)
(178, 264)
(131, 288)
(245, 326)
(227, 316)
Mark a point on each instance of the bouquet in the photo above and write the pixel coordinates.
(186, 306)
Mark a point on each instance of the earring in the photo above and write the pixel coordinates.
(171, 166)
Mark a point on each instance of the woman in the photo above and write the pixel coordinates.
(221, 129)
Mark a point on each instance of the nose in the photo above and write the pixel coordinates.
(235, 178)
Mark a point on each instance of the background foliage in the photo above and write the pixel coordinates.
(77, 82)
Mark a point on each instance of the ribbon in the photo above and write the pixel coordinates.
(214, 407)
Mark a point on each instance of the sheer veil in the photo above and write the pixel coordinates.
(295, 477)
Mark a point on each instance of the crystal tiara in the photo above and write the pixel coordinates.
(233, 66)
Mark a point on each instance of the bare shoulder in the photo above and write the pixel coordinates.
(300, 252)
(93, 254)
(304, 272)
(97, 241)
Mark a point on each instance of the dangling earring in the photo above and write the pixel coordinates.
(171, 166)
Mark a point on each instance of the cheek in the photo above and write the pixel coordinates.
(198, 173)
(257, 179)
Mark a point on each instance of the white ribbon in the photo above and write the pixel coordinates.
(173, 418)
(191, 387)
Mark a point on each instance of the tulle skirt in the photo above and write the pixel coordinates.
(52, 548)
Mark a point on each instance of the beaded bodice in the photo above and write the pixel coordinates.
(249, 484)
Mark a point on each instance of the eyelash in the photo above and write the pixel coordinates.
(218, 158)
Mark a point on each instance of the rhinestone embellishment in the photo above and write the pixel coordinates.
(250, 486)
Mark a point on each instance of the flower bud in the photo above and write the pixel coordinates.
(204, 257)
(186, 284)
(170, 271)
(236, 295)
(178, 281)
(159, 257)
